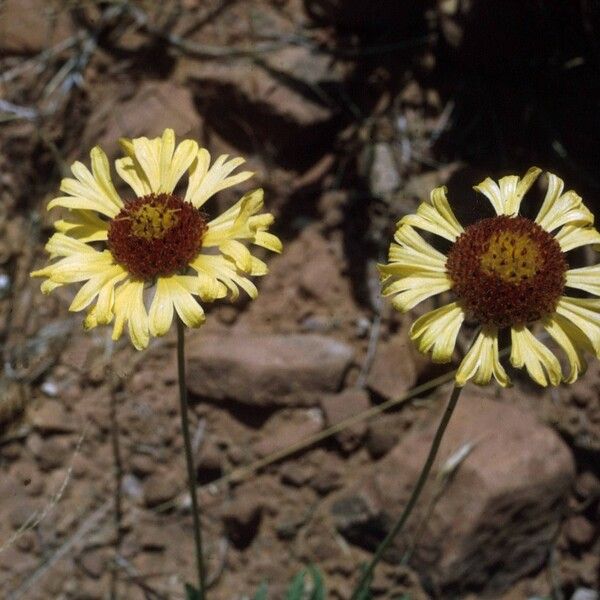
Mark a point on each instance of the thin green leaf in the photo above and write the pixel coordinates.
(191, 593)
(261, 594)
(296, 589)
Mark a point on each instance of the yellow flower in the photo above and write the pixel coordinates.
(156, 249)
(506, 271)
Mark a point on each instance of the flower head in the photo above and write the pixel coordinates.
(506, 271)
(146, 256)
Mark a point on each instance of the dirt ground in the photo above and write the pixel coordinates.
(349, 113)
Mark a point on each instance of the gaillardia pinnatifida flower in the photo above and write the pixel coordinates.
(506, 271)
(155, 247)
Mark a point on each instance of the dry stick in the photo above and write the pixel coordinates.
(189, 457)
(389, 538)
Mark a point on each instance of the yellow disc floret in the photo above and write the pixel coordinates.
(512, 256)
(153, 222)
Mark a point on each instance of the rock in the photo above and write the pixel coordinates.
(51, 453)
(242, 519)
(160, 487)
(585, 594)
(580, 531)
(51, 417)
(587, 486)
(132, 488)
(283, 96)
(154, 107)
(93, 562)
(342, 406)
(142, 465)
(30, 26)
(23, 513)
(383, 434)
(393, 371)
(495, 520)
(209, 461)
(288, 428)
(384, 178)
(326, 481)
(295, 475)
(266, 370)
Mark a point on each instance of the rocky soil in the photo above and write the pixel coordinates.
(349, 113)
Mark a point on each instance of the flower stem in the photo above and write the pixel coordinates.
(189, 458)
(389, 538)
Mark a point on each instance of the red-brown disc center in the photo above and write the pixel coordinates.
(507, 271)
(156, 235)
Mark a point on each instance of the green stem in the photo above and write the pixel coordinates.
(389, 538)
(189, 458)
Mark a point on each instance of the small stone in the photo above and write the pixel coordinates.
(142, 465)
(23, 513)
(51, 417)
(132, 487)
(295, 475)
(587, 486)
(93, 562)
(266, 370)
(342, 406)
(52, 453)
(382, 436)
(160, 487)
(286, 429)
(393, 371)
(580, 531)
(326, 481)
(209, 461)
(585, 594)
(242, 519)
(152, 537)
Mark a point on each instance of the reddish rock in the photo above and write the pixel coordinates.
(30, 26)
(241, 519)
(160, 487)
(393, 371)
(152, 108)
(580, 531)
(383, 434)
(266, 370)
(342, 406)
(497, 517)
(51, 417)
(288, 428)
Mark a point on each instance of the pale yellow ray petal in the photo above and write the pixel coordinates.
(585, 278)
(514, 197)
(572, 340)
(131, 173)
(60, 244)
(489, 188)
(204, 183)
(160, 316)
(83, 225)
(129, 308)
(147, 156)
(410, 291)
(436, 217)
(234, 222)
(78, 267)
(527, 351)
(165, 157)
(238, 253)
(225, 271)
(560, 209)
(90, 191)
(574, 236)
(585, 314)
(95, 285)
(482, 361)
(269, 241)
(183, 157)
(436, 331)
(187, 307)
(258, 267)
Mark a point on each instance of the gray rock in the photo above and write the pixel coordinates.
(266, 370)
